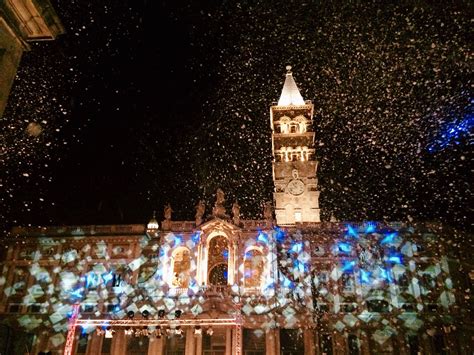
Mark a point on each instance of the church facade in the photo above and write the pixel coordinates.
(222, 285)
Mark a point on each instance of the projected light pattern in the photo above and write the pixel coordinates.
(454, 132)
(363, 275)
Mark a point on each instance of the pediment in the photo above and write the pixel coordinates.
(218, 224)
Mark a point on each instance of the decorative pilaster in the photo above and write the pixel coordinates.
(270, 342)
(119, 343)
(190, 340)
(155, 346)
(198, 342)
(309, 342)
(228, 341)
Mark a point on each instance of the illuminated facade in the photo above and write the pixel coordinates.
(294, 161)
(224, 285)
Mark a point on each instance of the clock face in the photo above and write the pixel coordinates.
(295, 187)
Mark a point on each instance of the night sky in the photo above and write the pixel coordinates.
(141, 103)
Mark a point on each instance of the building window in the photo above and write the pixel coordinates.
(34, 308)
(218, 275)
(353, 344)
(291, 342)
(181, 268)
(106, 346)
(380, 306)
(112, 308)
(254, 265)
(14, 308)
(213, 341)
(218, 255)
(413, 345)
(88, 308)
(348, 284)
(20, 280)
(325, 344)
(138, 345)
(254, 342)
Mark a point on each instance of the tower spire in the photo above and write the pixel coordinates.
(290, 95)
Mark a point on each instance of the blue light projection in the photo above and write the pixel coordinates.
(395, 258)
(107, 276)
(76, 294)
(365, 276)
(386, 275)
(262, 237)
(344, 247)
(370, 227)
(297, 247)
(348, 266)
(178, 240)
(280, 235)
(195, 237)
(389, 238)
(92, 280)
(352, 232)
(453, 132)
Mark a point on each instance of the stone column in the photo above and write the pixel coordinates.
(119, 343)
(198, 342)
(309, 348)
(271, 342)
(190, 340)
(155, 346)
(94, 345)
(228, 341)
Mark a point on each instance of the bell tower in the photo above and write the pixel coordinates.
(296, 192)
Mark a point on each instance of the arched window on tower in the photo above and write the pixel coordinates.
(254, 264)
(289, 154)
(218, 256)
(181, 267)
(300, 123)
(284, 125)
(297, 154)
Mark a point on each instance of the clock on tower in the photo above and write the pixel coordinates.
(296, 193)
